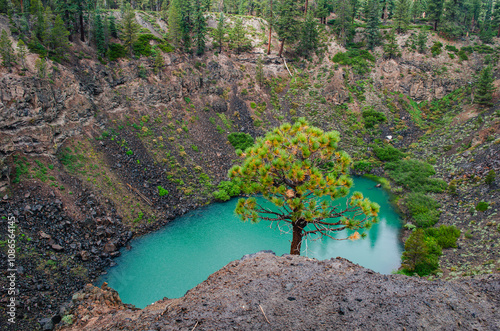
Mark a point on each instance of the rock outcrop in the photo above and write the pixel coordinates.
(266, 292)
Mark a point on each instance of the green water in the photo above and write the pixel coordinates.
(184, 253)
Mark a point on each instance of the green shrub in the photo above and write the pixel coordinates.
(451, 48)
(129, 152)
(423, 209)
(143, 46)
(240, 140)
(373, 117)
(462, 55)
(359, 59)
(436, 49)
(166, 47)
(482, 206)
(421, 254)
(161, 191)
(490, 177)
(116, 51)
(253, 105)
(446, 236)
(414, 175)
(226, 190)
(362, 166)
(388, 153)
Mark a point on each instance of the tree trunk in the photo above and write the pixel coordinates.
(281, 48)
(270, 30)
(498, 33)
(296, 239)
(82, 30)
(307, 3)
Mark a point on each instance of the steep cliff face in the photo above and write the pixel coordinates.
(265, 292)
(85, 148)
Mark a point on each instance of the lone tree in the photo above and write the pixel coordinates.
(299, 169)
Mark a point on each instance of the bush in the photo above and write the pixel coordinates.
(423, 209)
(359, 59)
(436, 49)
(490, 177)
(462, 55)
(451, 48)
(142, 46)
(166, 47)
(446, 236)
(116, 51)
(362, 166)
(482, 206)
(161, 191)
(388, 153)
(421, 254)
(226, 190)
(414, 175)
(373, 117)
(240, 140)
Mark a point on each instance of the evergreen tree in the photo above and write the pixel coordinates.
(435, 9)
(287, 167)
(220, 31)
(159, 63)
(129, 28)
(309, 35)
(496, 17)
(41, 67)
(7, 51)
(343, 21)
(401, 16)
(175, 23)
(113, 31)
(237, 36)
(99, 37)
(454, 18)
(391, 48)
(372, 33)
(59, 38)
(485, 87)
(46, 26)
(421, 254)
(322, 10)
(417, 9)
(486, 34)
(259, 72)
(422, 41)
(200, 27)
(21, 53)
(287, 25)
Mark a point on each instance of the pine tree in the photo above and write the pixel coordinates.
(486, 34)
(129, 28)
(435, 9)
(220, 31)
(496, 17)
(293, 181)
(21, 53)
(286, 23)
(46, 27)
(391, 48)
(322, 10)
(343, 21)
(309, 35)
(485, 87)
(259, 71)
(112, 27)
(239, 41)
(422, 41)
(59, 38)
(200, 27)
(174, 23)
(99, 37)
(7, 51)
(453, 21)
(401, 16)
(372, 33)
(159, 63)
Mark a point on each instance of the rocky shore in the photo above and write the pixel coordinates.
(266, 292)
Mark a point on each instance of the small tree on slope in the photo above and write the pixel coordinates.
(299, 169)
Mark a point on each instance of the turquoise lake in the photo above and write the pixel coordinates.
(185, 252)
